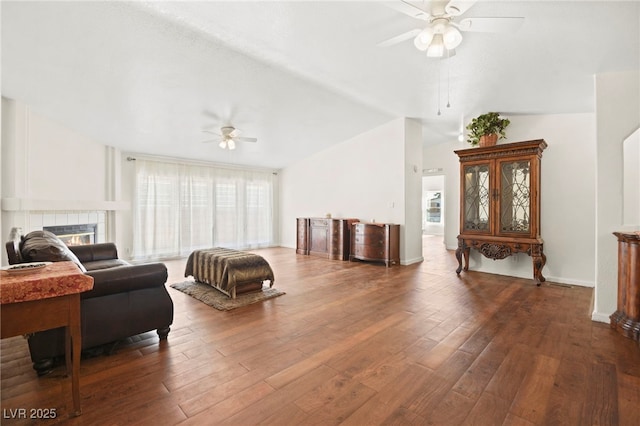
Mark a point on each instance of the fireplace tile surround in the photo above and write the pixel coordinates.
(40, 219)
(75, 234)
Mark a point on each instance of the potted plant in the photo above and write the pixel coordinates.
(486, 129)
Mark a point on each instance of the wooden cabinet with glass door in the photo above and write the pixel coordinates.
(500, 203)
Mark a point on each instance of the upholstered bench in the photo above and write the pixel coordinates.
(230, 271)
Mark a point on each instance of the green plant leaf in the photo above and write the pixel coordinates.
(486, 124)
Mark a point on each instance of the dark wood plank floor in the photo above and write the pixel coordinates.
(356, 344)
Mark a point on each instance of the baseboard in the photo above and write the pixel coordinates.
(412, 261)
(569, 281)
(600, 317)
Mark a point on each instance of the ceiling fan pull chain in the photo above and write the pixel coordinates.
(448, 79)
(439, 89)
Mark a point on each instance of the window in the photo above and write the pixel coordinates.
(179, 208)
(434, 207)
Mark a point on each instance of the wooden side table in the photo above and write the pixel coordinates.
(45, 299)
(626, 319)
(376, 242)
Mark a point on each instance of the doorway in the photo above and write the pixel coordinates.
(433, 197)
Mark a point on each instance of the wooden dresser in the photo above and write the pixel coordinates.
(302, 235)
(376, 242)
(324, 237)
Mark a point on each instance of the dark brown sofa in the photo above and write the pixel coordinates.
(125, 300)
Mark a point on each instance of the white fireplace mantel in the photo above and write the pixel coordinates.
(34, 204)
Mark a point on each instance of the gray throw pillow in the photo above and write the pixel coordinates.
(44, 246)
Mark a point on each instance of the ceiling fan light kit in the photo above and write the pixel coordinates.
(436, 48)
(442, 35)
(227, 144)
(451, 37)
(228, 137)
(438, 38)
(423, 40)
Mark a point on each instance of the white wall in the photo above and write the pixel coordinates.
(61, 164)
(411, 239)
(49, 168)
(124, 219)
(364, 177)
(567, 197)
(618, 116)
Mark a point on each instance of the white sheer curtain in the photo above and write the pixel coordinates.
(181, 207)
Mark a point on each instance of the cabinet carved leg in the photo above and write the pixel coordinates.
(539, 260)
(465, 252)
(461, 251)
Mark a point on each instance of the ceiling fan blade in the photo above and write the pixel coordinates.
(212, 140)
(227, 130)
(234, 133)
(210, 132)
(241, 139)
(400, 38)
(211, 114)
(458, 7)
(490, 25)
(408, 9)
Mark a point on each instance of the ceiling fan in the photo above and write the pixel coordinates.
(442, 34)
(228, 137)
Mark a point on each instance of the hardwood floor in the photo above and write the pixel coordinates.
(355, 344)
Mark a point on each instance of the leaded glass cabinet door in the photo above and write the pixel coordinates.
(515, 197)
(514, 210)
(476, 200)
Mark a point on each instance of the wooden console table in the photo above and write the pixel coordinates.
(626, 320)
(45, 299)
(324, 237)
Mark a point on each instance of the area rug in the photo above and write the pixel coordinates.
(216, 299)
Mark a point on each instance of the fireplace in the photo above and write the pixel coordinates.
(75, 235)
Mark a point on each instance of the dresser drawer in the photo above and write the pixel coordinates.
(370, 240)
(319, 223)
(370, 252)
(358, 228)
(377, 232)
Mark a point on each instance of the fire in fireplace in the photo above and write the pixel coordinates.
(75, 235)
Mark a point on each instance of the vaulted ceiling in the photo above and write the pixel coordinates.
(300, 76)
